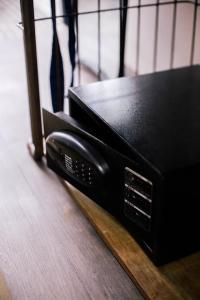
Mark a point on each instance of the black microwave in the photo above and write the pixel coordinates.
(133, 146)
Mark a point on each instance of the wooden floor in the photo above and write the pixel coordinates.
(48, 250)
(177, 280)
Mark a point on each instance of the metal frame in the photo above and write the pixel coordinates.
(27, 12)
(28, 25)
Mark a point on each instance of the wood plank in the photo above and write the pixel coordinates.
(177, 280)
(185, 274)
(4, 291)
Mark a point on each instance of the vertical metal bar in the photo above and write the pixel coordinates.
(27, 11)
(156, 37)
(193, 33)
(99, 40)
(173, 34)
(120, 38)
(123, 20)
(56, 67)
(77, 41)
(138, 38)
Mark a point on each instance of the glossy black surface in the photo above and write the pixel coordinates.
(158, 114)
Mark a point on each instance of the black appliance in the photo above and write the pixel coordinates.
(133, 146)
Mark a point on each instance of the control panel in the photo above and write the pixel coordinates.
(138, 198)
(80, 168)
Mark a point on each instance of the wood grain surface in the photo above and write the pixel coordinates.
(48, 249)
(177, 280)
(4, 291)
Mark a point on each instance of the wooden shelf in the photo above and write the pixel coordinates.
(177, 280)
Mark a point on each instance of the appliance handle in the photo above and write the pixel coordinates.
(69, 147)
(57, 141)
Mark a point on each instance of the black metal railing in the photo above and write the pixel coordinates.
(124, 7)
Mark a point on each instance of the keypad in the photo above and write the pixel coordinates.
(81, 169)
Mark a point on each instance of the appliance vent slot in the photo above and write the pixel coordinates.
(138, 198)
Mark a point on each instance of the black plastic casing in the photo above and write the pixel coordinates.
(148, 128)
